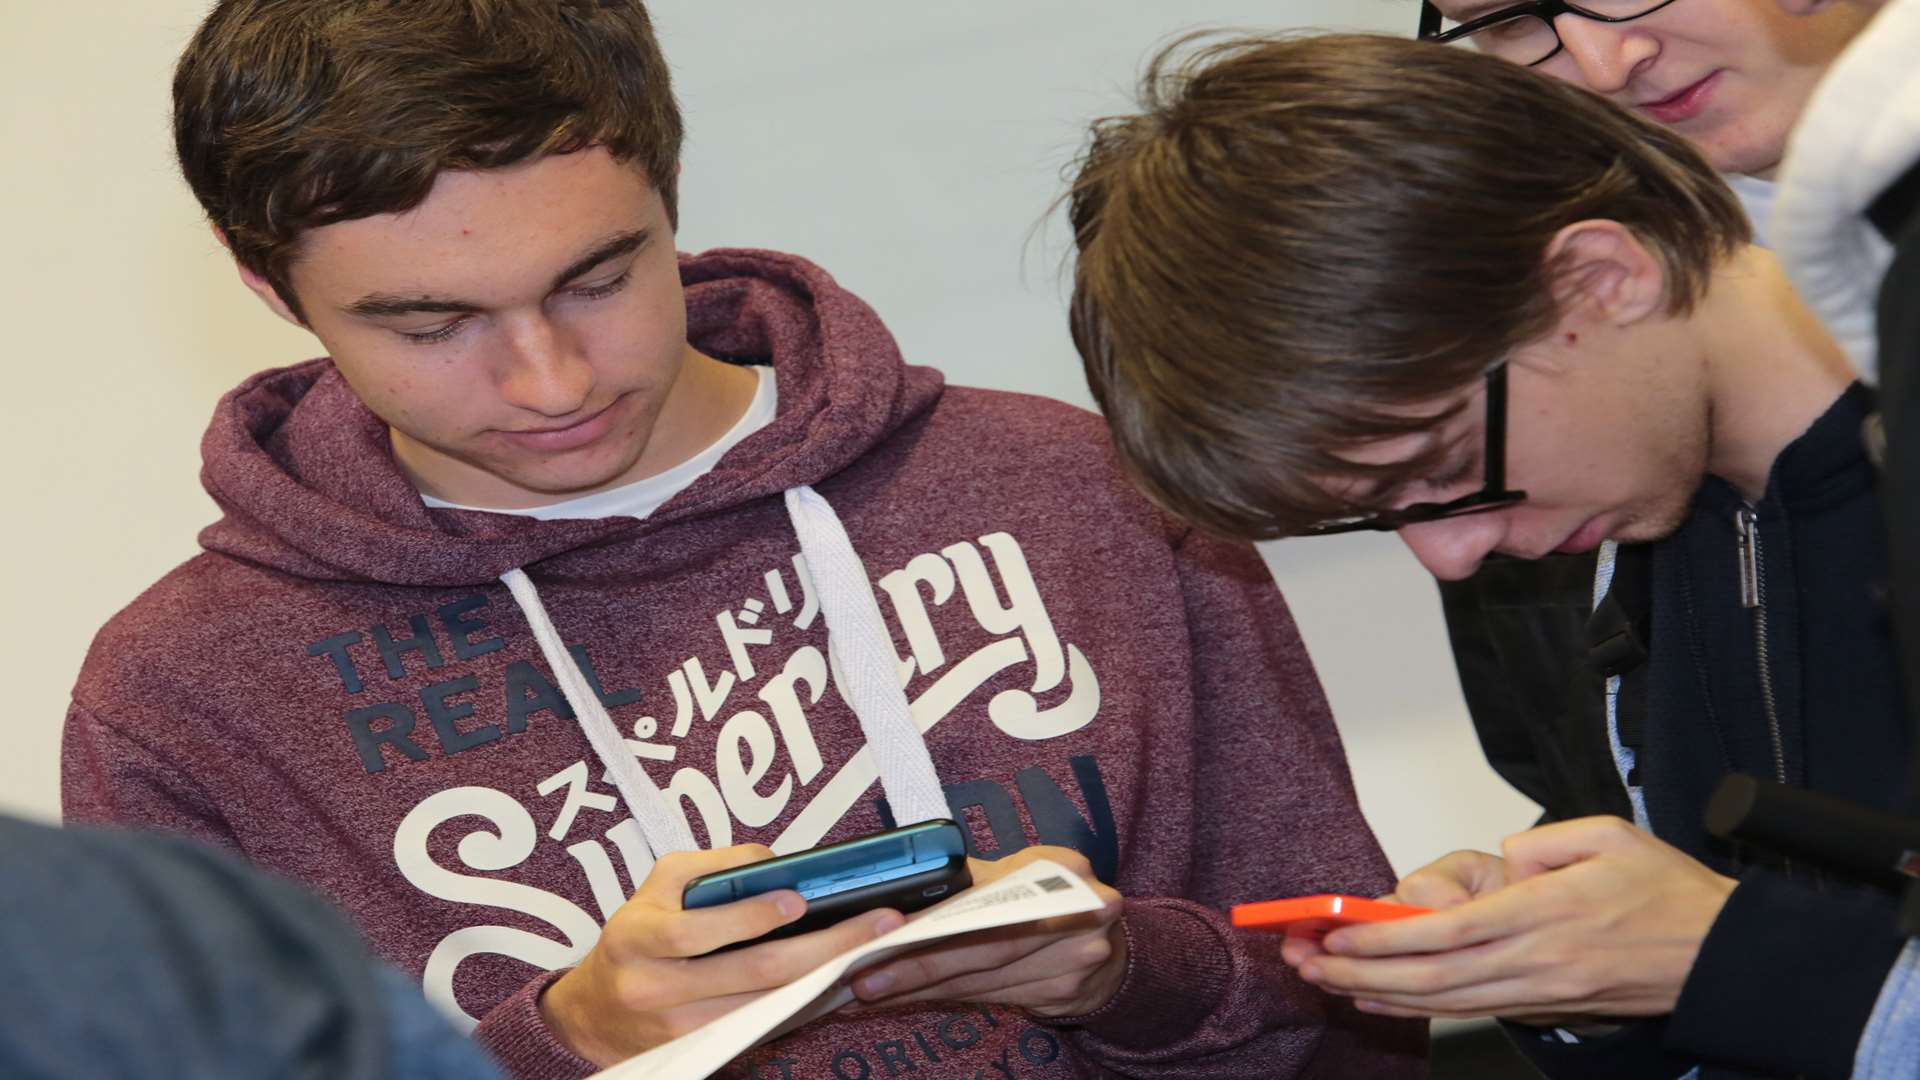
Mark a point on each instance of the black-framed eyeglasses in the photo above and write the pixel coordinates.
(1524, 33)
(1493, 493)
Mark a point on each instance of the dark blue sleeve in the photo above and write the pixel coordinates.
(138, 955)
(1787, 977)
(1637, 1050)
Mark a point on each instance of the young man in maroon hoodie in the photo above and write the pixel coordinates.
(560, 568)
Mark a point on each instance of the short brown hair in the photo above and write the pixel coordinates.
(293, 114)
(1300, 241)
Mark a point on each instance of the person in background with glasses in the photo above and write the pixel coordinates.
(1350, 282)
(1729, 75)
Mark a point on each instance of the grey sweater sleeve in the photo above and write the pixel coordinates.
(132, 955)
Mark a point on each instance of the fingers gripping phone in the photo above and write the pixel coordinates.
(905, 869)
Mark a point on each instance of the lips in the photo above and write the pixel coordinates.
(570, 437)
(1684, 105)
(1584, 539)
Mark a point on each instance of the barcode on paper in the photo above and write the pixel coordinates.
(1056, 883)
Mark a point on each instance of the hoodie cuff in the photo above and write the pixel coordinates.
(1177, 969)
(1787, 977)
(519, 1039)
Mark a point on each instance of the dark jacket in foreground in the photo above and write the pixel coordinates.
(135, 955)
(1790, 972)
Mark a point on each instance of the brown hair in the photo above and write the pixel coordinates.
(1302, 243)
(293, 114)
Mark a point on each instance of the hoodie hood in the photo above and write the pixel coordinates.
(305, 477)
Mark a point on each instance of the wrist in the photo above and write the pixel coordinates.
(1102, 986)
(565, 1015)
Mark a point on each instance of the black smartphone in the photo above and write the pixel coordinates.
(905, 869)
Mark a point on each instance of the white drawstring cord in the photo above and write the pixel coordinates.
(862, 652)
(665, 830)
(863, 659)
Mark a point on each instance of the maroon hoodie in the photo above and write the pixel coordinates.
(341, 689)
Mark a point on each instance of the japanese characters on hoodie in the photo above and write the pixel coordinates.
(343, 688)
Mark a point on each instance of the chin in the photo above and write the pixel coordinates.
(1649, 528)
(561, 480)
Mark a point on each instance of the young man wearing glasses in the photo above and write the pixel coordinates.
(1354, 305)
(1729, 75)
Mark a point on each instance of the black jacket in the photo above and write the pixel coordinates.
(1897, 215)
(1791, 970)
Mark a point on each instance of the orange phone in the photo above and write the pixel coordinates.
(1317, 916)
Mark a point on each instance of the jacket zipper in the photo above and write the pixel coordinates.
(1753, 596)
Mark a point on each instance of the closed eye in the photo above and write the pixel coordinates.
(586, 292)
(605, 288)
(437, 335)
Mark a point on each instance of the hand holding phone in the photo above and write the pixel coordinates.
(1066, 966)
(1314, 917)
(654, 973)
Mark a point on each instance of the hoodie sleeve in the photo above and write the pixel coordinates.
(1276, 816)
(517, 1036)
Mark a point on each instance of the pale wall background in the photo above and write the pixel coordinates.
(909, 148)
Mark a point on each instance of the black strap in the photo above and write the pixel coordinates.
(1897, 205)
(1613, 648)
(1618, 635)
(1620, 628)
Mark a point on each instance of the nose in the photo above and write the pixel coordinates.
(546, 371)
(1452, 548)
(1605, 56)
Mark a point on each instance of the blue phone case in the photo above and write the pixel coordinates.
(906, 869)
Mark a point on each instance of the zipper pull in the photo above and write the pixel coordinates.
(1745, 522)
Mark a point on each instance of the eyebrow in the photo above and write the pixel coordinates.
(384, 305)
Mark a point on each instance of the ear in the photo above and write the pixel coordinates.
(1603, 272)
(261, 287)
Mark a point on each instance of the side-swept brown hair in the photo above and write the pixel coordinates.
(293, 114)
(1300, 244)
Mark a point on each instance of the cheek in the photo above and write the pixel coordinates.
(426, 399)
(647, 330)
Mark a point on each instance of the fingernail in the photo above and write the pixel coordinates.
(1367, 1006)
(887, 922)
(1310, 971)
(876, 984)
(791, 905)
